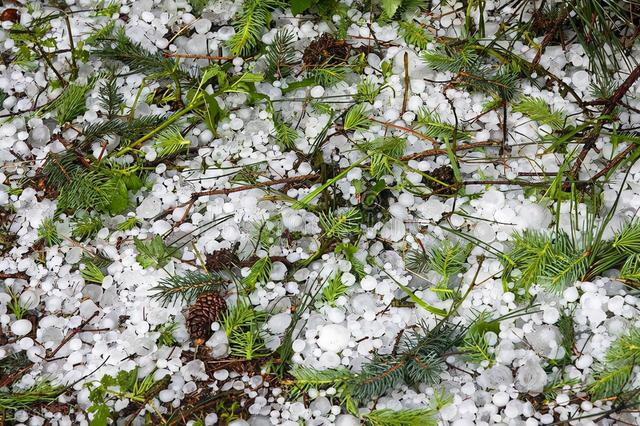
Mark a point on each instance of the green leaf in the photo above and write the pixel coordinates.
(390, 7)
(299, 6)
(101, 415)
(120, 197)
(213, 113)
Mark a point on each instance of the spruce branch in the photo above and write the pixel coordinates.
(187, 287)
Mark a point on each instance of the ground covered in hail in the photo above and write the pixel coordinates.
(318, 212)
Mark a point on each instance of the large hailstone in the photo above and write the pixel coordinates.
(333, 338)
(546, 341)
(531, 378)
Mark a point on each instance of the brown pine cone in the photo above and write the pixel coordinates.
(206, 309)
(445, 175)
(223, 259)
(326, 50)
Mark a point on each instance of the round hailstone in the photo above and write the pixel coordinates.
(329, 360)
(501, 399)
(21, 327)
(368, 283)
(580, 79)
(347, 420)
(317, 92)
(149, 208)
(333, 338)
(278, 323)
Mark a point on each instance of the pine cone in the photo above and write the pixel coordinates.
(222, 259)
(445, 175)
(206, 309)
(326, 50)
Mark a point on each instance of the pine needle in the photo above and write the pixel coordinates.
(186, 288)
(280, 55)
(356, 118)
(170, 141)
(341, 225)
(538, 110)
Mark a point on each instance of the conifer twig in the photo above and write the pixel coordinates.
(197, 56)
(590, 140)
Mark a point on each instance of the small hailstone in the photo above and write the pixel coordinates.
(333, 338)
(500, 399)
(321, 405)
(21, 327)
(347, 420)
(550, 315)
(219, 344)
(584, 361)
(211, 419)
(278, 323)
(368, 283)
(149, 208)
(298, 345)
(202, 26)
(317, 91)
(393, 230)
(571, 294)
(563, 399)
(221, 374)
(580, 79)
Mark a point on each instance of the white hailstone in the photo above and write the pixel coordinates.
(211, 419)
(513, 408)
(496, 376)
(348, 279)
(484, 232)
(584, 361)
(278, 323)
(29, 299)
(278, 271)
(531, 378)
(21, 327)
(550, 315)
(592, 307)
(25, 343)
(39, 135)
(162, 43)
(347, 420)
(321, 405)
(317, 91)
(221, 374)
(333, 338)
(194, 369)
(368, 283)
(167, 395)
(335, 315)
(219, 344)
(394, 230)
(563, 399)
(535, 216)
(202, 26)
(239, 422)
(398, 211)
(406, 199)
(292, 220)
(571, 294)
(432, 209)
(580, 79)
(616, 304)
(500, 399)
(586, 406)
(149, 208)
(298, 345)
